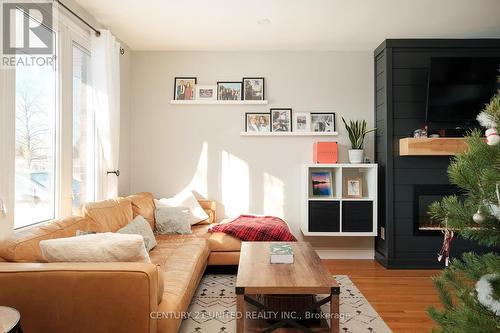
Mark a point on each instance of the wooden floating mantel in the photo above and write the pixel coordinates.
(431, 146)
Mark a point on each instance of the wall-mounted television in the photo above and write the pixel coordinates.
(458, 89)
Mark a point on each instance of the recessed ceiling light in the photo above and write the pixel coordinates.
(264, 21)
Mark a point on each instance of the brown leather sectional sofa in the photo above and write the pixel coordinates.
(109, 297)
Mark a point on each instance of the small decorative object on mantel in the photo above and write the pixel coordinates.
(257, 122)
(357, 132)
(184, 88)
(421, 132)
(229, 91)
(206, 92)
(281, 253)
(353, 187)
(323, 122)
(253, 88)
(281, 120)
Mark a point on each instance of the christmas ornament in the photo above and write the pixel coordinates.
(445, 249)
(492, 137)
(485, 293)
(478, 217)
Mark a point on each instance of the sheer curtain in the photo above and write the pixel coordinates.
(106, 86)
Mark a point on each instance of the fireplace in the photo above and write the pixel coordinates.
(424, 196)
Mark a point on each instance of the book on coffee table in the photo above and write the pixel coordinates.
(281, 253)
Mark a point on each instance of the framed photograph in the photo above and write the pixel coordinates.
(281, 120)
(257, 122)
(301, 122)
(353, 187)
(206, 93)
(229, 91)
(184, 88)
(321, 183)
(253, 88)
(323, 122)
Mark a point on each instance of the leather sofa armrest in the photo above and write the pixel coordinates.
(82, 297)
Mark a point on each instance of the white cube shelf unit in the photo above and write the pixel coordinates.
(336, 214)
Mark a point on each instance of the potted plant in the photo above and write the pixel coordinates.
(357, 131)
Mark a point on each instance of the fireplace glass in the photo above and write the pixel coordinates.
(424, 196)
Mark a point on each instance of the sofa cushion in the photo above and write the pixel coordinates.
(172, 220)
(182, 260)
(109, 215)
(139, 226)
(143, 204)
(23, 245)
(102, 247)
(185, 199)
(217, 241)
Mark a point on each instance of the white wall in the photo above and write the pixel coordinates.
(173, 147)
(125, 89)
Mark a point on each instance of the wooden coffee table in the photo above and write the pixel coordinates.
(256, 275)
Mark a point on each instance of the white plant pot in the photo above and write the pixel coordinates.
(356, 156)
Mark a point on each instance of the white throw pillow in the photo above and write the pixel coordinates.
(185, 199)
(101, 247)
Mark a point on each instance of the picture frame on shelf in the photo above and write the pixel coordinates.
(301, 122)
(253, 89)
(229, 91)
(281, 120)
(323, 122)
(257, 122)
(353, 187)
(206, 92)
(184, 88)
(321, 183)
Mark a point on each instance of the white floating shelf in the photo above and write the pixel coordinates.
(288, 133)
(215, 102)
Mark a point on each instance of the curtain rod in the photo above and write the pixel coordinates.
(97, 32)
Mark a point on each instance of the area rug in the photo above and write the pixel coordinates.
(214, 305)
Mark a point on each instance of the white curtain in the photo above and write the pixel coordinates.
(106, 86)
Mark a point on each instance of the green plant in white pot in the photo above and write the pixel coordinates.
(357, 132)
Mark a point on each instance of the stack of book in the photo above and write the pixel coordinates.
(281, 253)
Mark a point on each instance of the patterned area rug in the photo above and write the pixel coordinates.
(213, 308)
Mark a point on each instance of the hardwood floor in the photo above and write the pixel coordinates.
(399, 296)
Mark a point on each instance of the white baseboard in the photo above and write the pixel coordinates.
(346, 253)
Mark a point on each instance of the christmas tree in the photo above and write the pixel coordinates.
(469, 288)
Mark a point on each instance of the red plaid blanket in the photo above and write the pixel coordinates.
(256, 228)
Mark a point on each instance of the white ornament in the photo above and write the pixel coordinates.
(478, 217)
(492, 137)
(486, 120)
(485, 293)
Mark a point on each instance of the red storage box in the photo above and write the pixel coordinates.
(325, 152)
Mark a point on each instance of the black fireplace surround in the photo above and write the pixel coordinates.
(407, 183)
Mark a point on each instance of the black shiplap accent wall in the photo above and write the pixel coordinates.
(401, 75)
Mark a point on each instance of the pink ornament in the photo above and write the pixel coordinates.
(492, 137)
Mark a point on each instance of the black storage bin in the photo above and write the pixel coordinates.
(324, 216)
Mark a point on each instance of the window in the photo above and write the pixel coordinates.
(83, 183)
(49, 141)
(35, 148)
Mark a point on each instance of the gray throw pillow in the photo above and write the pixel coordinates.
(173, 220)
(139, 226)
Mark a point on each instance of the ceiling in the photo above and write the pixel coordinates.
(344, 25)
